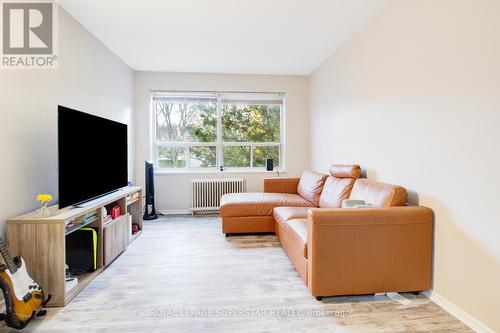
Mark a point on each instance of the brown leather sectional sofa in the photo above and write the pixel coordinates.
(340, 251)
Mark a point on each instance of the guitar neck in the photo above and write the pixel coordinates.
(4, 250)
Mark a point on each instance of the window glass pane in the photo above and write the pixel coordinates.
(261, 153)
(202, 157)
(185, 121)
(250, 123)
(250, 120)
(237, 157)
(172, 157)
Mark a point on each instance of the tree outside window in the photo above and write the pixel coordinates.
(205, 131)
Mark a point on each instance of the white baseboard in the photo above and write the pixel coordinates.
(176, 212)
(460, 314)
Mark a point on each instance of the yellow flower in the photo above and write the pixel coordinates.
(44, 197)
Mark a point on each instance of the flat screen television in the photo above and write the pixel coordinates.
(92, 156)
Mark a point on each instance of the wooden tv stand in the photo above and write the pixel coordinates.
(41, 241)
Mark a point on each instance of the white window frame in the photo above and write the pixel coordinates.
(219, 143)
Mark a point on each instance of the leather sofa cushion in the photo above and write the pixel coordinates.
(378, 194)
(283, 214)
(258, 204)
(310, 186)
(295, 232)
(335, 191)
(345, 171)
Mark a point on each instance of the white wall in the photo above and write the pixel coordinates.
(90, 78)
(414, 97)
(173, 191)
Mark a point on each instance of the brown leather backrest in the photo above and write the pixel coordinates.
(338, 187)
(335, 191)
(378, 194)
(345, 171)
(310, 186)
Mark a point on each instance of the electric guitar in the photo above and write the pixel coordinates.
(24, 298)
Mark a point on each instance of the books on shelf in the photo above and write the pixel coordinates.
(107, 220)
(81, 220)
(86, 219)
(133, 198)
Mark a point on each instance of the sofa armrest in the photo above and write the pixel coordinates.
(281, 185)
(369, 250)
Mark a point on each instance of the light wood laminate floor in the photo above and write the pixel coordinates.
(183, 275)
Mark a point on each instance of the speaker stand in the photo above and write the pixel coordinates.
(150, 215)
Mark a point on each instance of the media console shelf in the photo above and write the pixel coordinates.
(41, 241)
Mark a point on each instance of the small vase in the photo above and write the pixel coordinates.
(44, 211)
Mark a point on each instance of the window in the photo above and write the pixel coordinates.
(203, 131)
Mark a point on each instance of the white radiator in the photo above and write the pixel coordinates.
(207, 192)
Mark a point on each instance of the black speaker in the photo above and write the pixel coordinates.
(150, 192)
(81, 250)
(269, 164)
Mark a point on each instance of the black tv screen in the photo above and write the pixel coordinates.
(92, 156)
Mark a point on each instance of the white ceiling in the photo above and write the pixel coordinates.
(223, 36)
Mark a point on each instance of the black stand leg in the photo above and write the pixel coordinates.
(46, 301)
(319, 298)
(227, 235)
